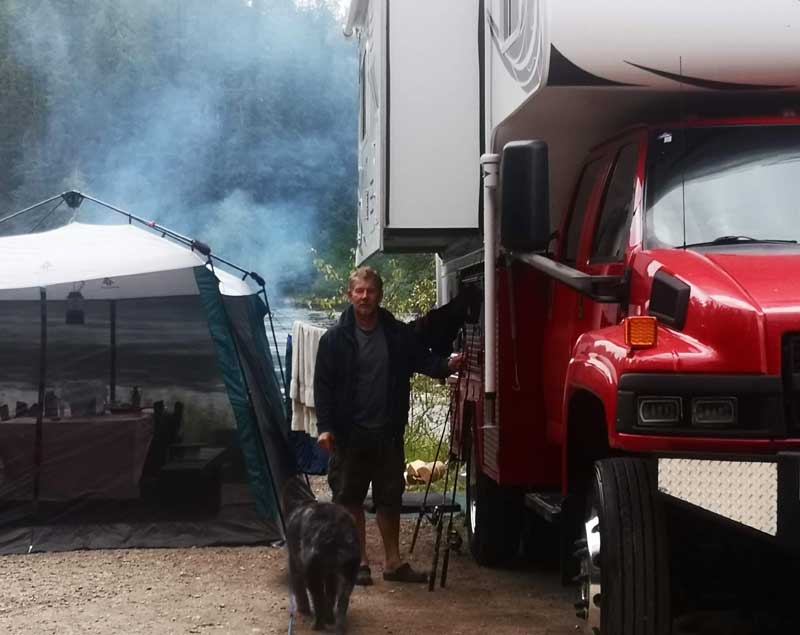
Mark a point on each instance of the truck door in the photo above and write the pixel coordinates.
(566, 319)
(610, 238)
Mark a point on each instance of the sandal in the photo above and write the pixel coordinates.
(364, 575)
(404, 573)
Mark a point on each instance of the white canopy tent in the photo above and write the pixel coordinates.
(160, 314)
(98, 257)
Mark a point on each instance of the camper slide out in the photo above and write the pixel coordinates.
(629, 209)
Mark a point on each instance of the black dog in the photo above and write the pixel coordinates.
(324, 555)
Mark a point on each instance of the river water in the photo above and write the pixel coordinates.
(283, 317)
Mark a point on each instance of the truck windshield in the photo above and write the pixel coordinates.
(731, 186)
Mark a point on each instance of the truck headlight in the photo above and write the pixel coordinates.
(659, 411)
(714, 412)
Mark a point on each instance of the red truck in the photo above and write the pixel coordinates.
(636, 373)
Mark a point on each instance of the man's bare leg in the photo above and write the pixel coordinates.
(389, 526)
(394, 569)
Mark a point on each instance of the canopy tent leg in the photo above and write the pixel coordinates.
(112, 379)
(42, 375)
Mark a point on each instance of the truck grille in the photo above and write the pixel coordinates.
(793, 343)
(790, 364)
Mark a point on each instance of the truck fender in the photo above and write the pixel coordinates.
(591, 390)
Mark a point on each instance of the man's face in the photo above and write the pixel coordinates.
(365, 297)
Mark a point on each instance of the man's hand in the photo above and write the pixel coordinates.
(325, 441)
(456, 362)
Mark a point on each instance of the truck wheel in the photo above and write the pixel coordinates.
(494, 517)
(624, 570)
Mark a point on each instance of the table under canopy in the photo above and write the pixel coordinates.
(99, 457)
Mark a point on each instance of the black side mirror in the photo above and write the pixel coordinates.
(524, 197)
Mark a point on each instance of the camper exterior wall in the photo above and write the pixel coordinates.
(714, 44)
(418, 71)
(516, 56)
(539, 44)
(372, 131)
(433, 75)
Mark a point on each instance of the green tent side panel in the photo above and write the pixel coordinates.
(246, 319)
(228, 358)
(268, 400)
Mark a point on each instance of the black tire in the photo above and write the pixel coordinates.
(633, 560)
(493, 518)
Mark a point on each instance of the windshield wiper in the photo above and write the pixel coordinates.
(735, 240)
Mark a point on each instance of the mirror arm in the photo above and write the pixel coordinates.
(554, 235)
(606, 289)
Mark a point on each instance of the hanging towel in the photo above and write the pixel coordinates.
(305, 343)
(311, 459)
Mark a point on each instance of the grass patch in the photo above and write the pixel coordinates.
(428, 418)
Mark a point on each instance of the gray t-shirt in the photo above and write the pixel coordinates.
(372, 382)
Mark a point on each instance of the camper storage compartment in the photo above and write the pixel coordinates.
(418, 71)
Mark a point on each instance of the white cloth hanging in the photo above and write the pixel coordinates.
(305, 343)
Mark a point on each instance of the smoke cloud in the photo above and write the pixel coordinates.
(231, 121)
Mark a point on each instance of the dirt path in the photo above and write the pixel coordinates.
(244, 590)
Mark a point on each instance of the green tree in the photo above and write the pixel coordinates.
(409, 285)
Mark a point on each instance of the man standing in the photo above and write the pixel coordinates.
(361, 391)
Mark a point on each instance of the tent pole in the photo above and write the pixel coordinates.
(28, 209)
(189, 242)
(73, 199)
(112, 379)
(275, 341)
(42, 375)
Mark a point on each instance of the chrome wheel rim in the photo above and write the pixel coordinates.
(472, 482)
(590, 599)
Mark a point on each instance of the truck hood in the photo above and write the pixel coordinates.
(742, 303)
(768, 282)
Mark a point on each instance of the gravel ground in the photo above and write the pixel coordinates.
(244, 590)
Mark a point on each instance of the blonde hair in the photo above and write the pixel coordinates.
(365, 273)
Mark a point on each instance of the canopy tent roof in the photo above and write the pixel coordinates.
(95, 257)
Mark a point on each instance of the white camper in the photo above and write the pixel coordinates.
(445, 81)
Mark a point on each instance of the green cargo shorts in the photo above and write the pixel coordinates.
(373, 456)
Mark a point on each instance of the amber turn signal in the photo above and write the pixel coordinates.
(641, 331)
